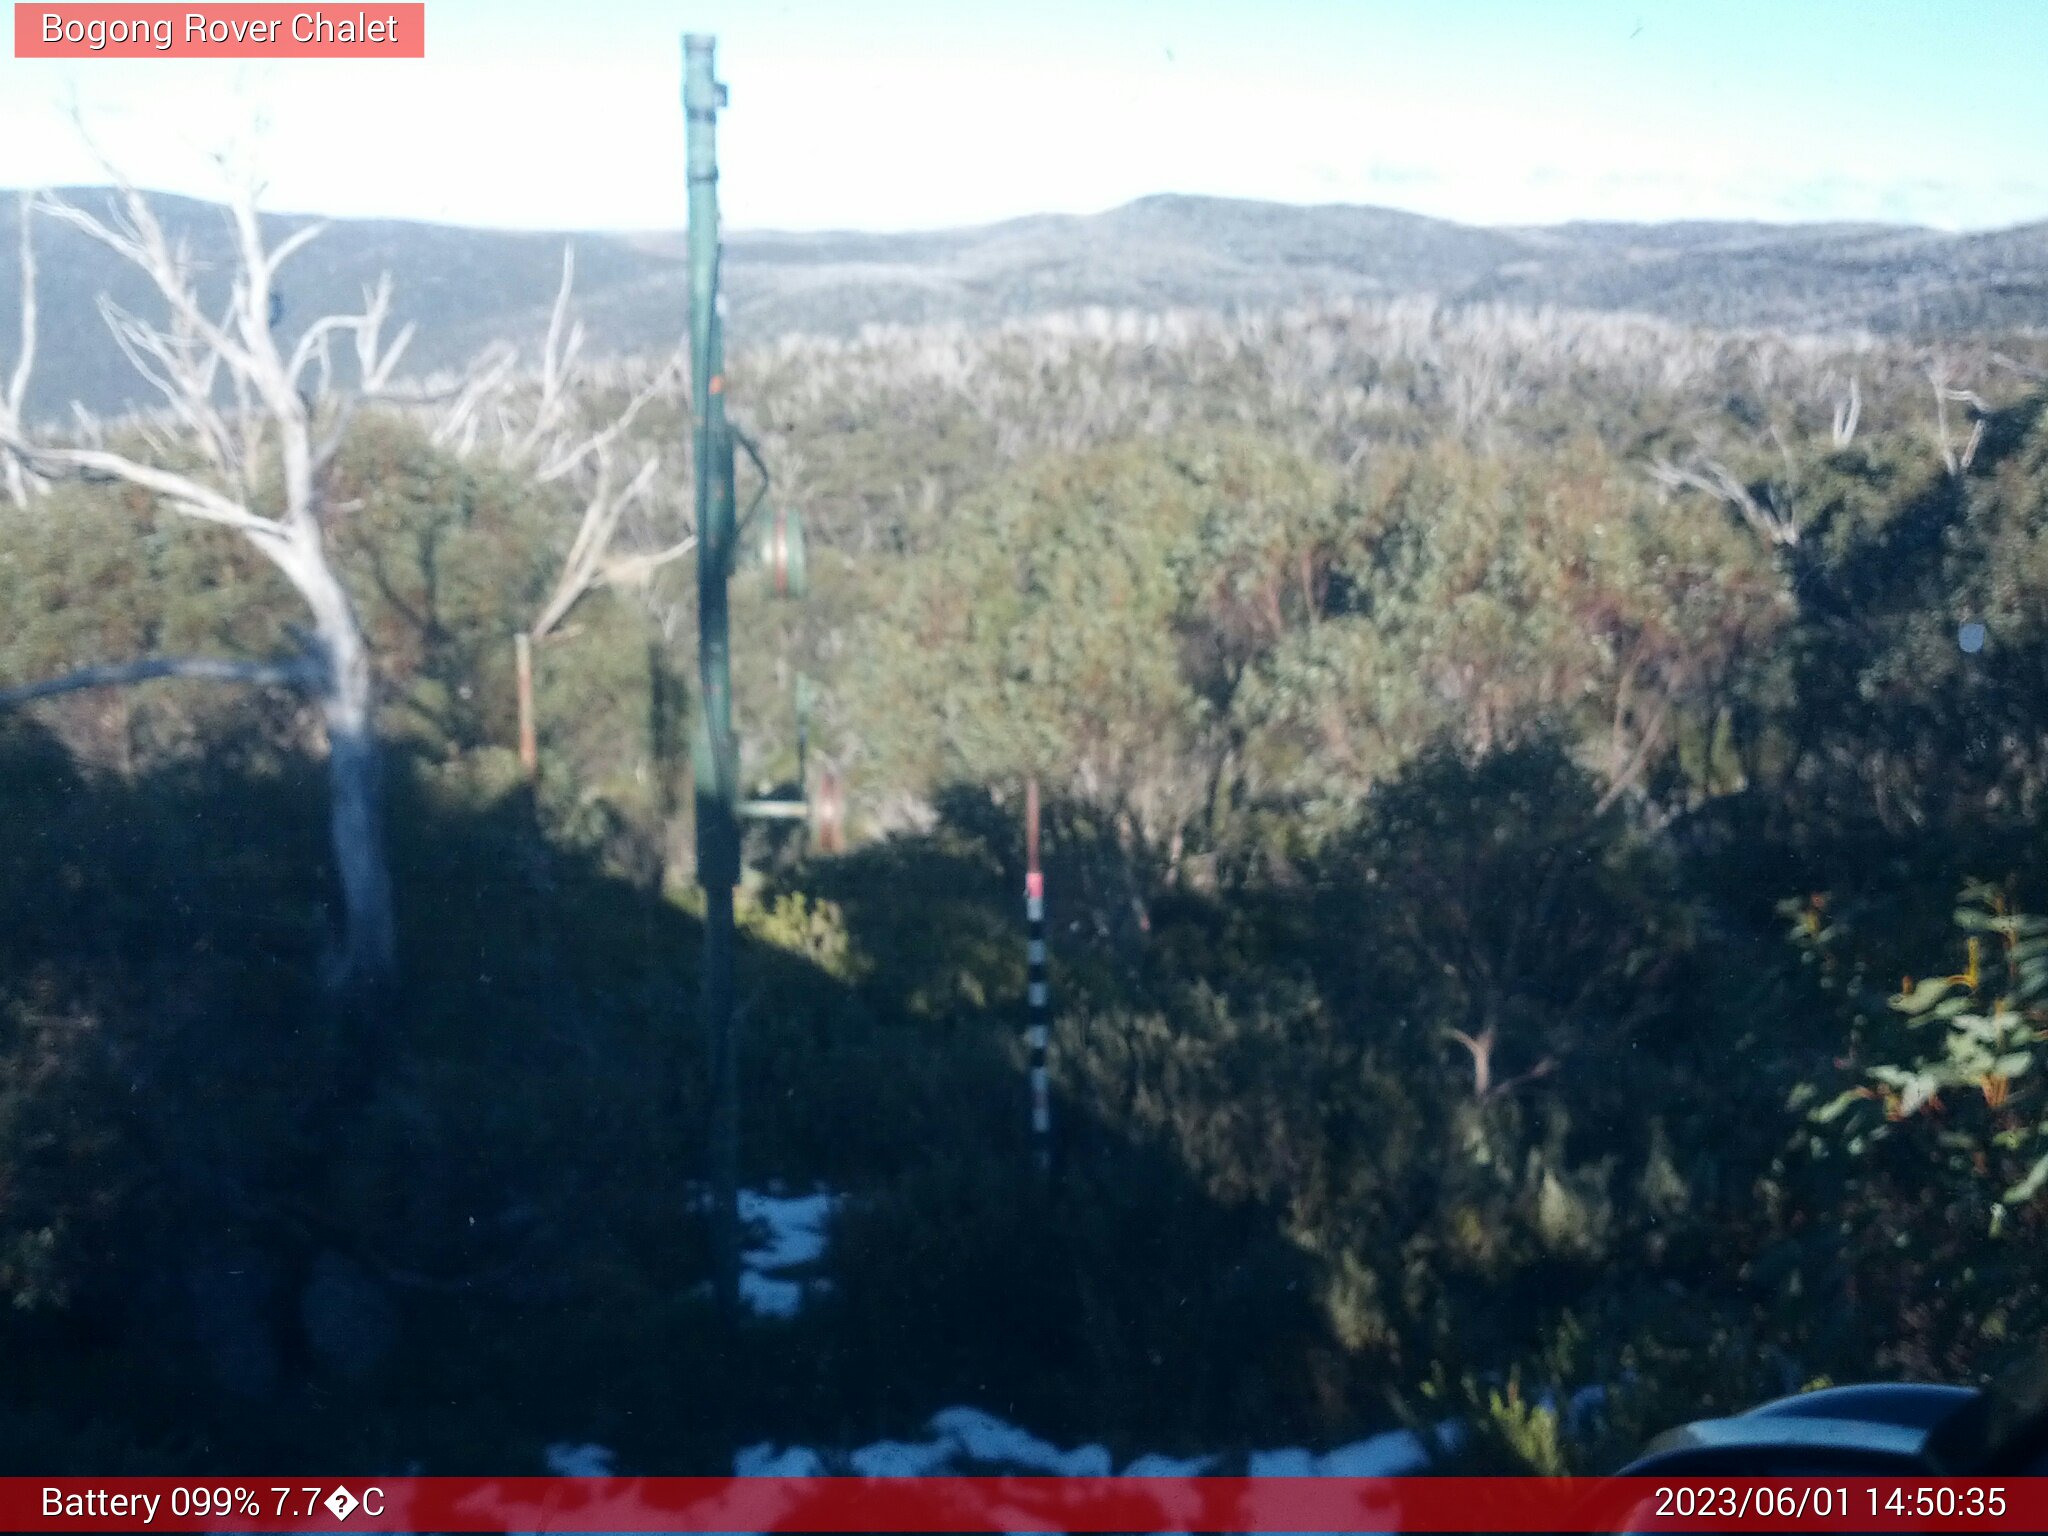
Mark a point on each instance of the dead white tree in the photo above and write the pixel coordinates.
(268, 424)
(1769, 517)
(1956, 456)
(2013, 365)
(1848, 413)
(544, 430)
(1481, 1046)
(15, 477)
(590, 563)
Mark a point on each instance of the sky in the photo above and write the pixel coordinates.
(919, 114)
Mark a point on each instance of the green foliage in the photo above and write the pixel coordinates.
(1652, 1367)
(1499, 595)
(1303, 1052)
(1419, 787)
(1040, 638)
(813, 931)
(1967, 1057)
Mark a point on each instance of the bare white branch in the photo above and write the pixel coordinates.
(312, 348)
(632, 570)
(182, 369)
(90, 428)
(1847, 414)
(189, 497)
(135, 235)
(376, 361)
(587, 564)
(567, 455)
(2014, 365)
(1773, 522)
(543, 430)
(557, 360)
(293, 243)
(1954, 457)
(293, 672)
(479, 392)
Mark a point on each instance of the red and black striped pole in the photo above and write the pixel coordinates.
(1039, 1034)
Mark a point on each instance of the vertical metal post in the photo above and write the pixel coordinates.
(1039, 1000)
(716, 758)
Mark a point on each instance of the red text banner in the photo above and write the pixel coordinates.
(216, 31)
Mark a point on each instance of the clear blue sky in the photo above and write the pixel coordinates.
(926, 113)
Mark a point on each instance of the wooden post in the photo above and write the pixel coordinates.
(529, 746)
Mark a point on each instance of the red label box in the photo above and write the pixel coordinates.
(376, 30)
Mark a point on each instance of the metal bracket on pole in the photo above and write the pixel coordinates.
(776, 810)
(760, 495)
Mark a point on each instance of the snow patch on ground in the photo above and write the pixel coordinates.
(565, 1460)
(960, 1437)
(1397, 1453)
(789, 1233)
(1150, 1465)
(1292, 1462)
(971, 1440)
(964, 1439)
(795, 1223)
(983, 1437)
(796, 1227)
(903, 1458)
(764, 1460)
(766, 1296)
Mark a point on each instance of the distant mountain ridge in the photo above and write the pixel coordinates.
(467, 287)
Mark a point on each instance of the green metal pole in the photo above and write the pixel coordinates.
(717, 765)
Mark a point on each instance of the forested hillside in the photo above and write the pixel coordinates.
(1505, 770)
(469, 287)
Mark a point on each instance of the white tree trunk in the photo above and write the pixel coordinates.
(14, 398)
(347, 695)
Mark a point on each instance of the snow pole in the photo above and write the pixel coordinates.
(1039, 1002)
(714, 749)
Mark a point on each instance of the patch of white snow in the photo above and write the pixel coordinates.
(764, 1460)
(565, 1460)
(983, 1437)
(1393, 1454)
(796, 1227)
(793, 1230)
(1151, 1465)
(765, 1296)
(1292, 1462)
(903, 1458)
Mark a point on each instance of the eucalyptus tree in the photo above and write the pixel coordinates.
(245, 439)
